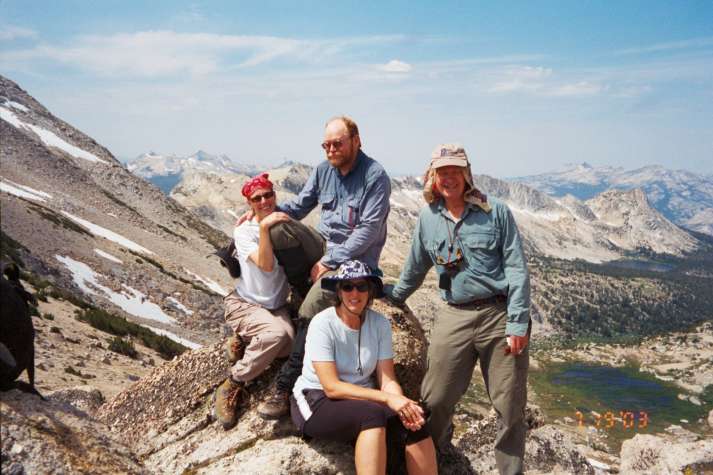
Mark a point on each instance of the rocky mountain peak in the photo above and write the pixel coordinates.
(517, 195)
(578, 208)
(624, 201)
(28, 117)
(115, 239)
(631, 213)
(683, 197)
(202, 155)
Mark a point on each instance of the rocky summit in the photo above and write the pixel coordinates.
(164, 424)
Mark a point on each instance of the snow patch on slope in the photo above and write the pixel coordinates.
(17, 105)
(107, 234)
(131, 301)
(108, 256)
(48, 138)
(212, 285)
(180, 306)
(23, 191)
(187, 343)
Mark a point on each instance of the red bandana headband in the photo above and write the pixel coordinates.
(256, 182)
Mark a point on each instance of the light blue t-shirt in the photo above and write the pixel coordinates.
(330, 339)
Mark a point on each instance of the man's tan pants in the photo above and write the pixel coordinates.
(267, 334)
(460, 337)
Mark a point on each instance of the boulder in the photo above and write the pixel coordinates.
(710, 419)
(547, 449)
(165, 421)
(83, 398)
(166, 417)
(17, 333)
(650, 454)
(51, 436)
(680, 434)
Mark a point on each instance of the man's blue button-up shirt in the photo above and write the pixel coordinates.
(493, 261)
(354, 209)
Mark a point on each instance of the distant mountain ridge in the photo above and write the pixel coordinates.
(681, 196)
(611, 226)
(165, 171)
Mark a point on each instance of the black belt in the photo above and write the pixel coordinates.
(480, 302)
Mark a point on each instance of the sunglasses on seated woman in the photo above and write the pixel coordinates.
(348, 286)
(264, 196)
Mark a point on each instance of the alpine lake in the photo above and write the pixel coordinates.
(618, 402)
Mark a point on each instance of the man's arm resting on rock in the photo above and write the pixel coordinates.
(417, 265)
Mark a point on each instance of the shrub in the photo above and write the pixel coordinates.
(48, 316)
(70, 370)
(123, 347)
(116, 325)
(41, 295)
(60, 294)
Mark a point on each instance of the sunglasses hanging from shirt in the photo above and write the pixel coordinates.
(452, 263)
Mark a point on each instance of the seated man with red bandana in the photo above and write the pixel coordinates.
(257, 310)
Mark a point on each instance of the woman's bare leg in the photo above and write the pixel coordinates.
(421, 458)
(370, 452)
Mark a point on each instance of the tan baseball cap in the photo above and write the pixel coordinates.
(449, 154)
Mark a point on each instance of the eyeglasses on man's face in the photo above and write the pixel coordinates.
(259, 198)
(337, 143)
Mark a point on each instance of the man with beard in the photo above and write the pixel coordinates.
(353, 193)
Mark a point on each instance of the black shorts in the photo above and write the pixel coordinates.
(343, 419)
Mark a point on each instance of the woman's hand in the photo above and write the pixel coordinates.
(410, 413)
(272, 219)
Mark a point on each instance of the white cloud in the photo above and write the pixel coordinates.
(514, 85)
(669, 46)
(396, 66)
(530, 73)
(11, 32)
(542, 81)
(161, 53)
(521, 79)
(582, 88)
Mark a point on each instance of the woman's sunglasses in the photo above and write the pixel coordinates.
(348, 287)
(259, 198)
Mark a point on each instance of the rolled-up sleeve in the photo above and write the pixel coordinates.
(417, 265)
(374, 212)
(515, 268)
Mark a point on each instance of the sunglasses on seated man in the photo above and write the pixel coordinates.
(259, 198)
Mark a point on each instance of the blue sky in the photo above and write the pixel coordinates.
(526, 86)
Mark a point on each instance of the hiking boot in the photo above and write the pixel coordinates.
(234, 349)
(228, 397)
(275, 406)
